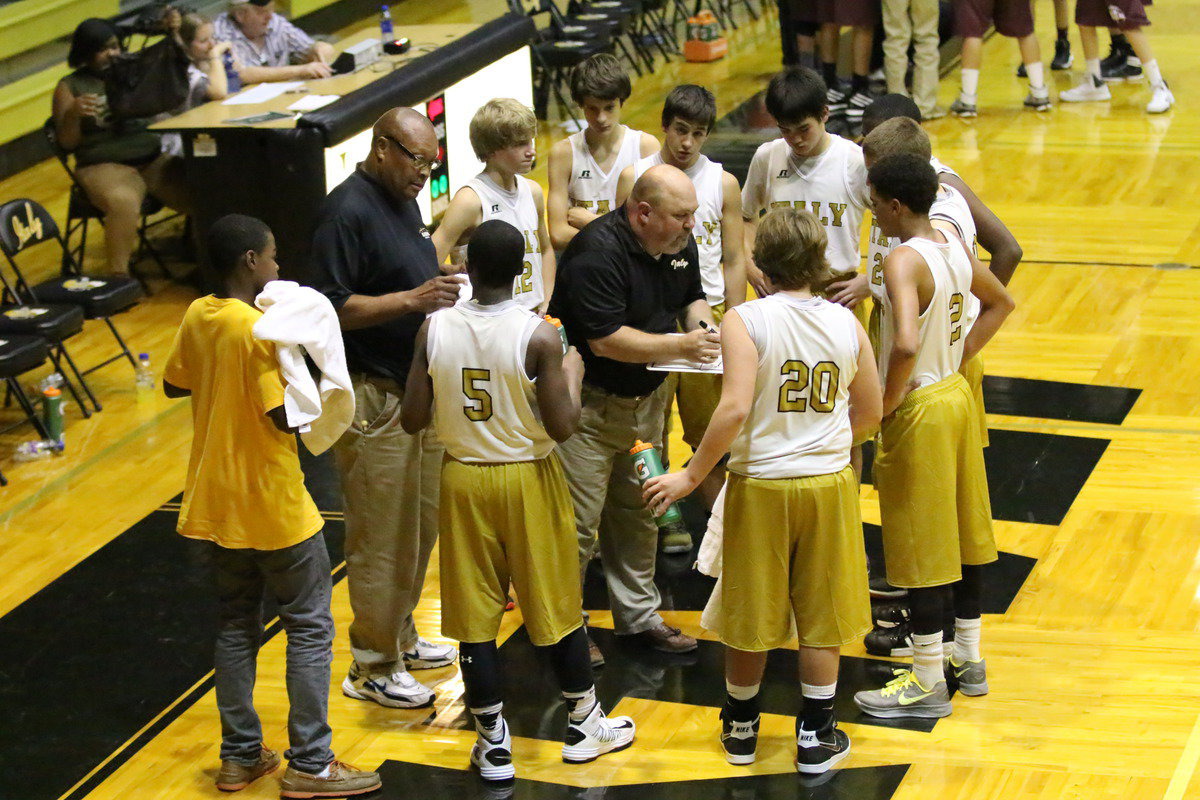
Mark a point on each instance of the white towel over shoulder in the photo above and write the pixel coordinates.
(301, 320)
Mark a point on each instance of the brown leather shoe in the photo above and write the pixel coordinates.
(595, 654)
(666, 639)
(234, 776)
(343, 780)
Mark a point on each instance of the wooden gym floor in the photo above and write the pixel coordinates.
(1093, 635)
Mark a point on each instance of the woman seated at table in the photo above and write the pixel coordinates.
(116, 161)
(206, 71)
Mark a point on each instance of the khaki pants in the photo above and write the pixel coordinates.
(609, 512)
(390, 485)
(914, 21)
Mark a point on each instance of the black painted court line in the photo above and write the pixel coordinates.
(403, 780)
(1077, 402)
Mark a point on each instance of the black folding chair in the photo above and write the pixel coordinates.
(18, 355)
(81, 210)
(25, 224)
(562, 42)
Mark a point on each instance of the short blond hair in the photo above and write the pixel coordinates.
(500, 123)
(897, 136)
(790, 248)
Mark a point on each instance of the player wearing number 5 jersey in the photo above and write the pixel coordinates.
(494, 377)
(929, 470)
(502, 132)
(800, 385)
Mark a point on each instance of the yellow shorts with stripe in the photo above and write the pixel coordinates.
(793, 548)
(933, 495)
(508, 522)
(696, 397)
(973, 371)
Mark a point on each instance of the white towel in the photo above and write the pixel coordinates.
(301, 320)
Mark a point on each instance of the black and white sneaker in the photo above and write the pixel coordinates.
(836, 99)
(739, 739)
(856, 104)
(1116, 57)
(398, 690)
(818, 751)
(1062, 55)
(588, 740)
(880, 588)
(894, 641)
(493, 759)
(889, 615)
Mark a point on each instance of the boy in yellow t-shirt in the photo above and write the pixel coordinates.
(245, 495)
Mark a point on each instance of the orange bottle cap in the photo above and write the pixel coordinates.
(51, 391)
(553, 321)
(639, 446)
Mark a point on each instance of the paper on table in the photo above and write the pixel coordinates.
(261, 93)
(311, 102)
(687, 365)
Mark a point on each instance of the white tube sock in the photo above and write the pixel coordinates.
(1037, 76)
(970, 84)
(927, 659)
(966, 640)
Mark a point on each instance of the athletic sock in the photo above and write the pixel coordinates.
(829, 73)
(1037, 77)
(860, 84)
(1062, 33)
(966, 639)
(1093, 71)
(742, 701)
(488, 721)
(1152, 72)
(1119, 41)
(927, 658)
(970, 82)
(816, 714)
(580, 703)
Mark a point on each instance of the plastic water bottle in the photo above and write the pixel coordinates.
(647, 465)
(562, 332)
(385, 24)
(232, 79)
(52, 414)
(34, 450)
(144, 377)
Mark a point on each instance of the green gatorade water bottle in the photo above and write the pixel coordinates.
(648, 465)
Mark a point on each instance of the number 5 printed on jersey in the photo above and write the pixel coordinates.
(479, 407)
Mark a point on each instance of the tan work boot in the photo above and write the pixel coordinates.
(343, 780)
(234, 776)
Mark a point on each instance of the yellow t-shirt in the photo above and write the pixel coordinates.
(244, 485)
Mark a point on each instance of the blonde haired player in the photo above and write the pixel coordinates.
(929, 471)
(584, 167)
(800, 386)
(502, 132)
(503, 393)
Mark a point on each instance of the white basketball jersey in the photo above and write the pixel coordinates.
(484, 404)
(952, 207)
(518, 209)
(799, 423)
(707, 177)
(941, 168)
(941, 329)
(592, 188)
(833, 186)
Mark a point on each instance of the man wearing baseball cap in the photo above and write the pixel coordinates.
(265, 45)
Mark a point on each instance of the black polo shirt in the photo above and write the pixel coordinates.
(606, 280)
(368, 243)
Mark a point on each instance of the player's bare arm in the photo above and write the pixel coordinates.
(995, 304)
(549, 266)
(559, 176)
(462, 217)
(901, 274)
(558, 377)
(733, 267)
(416, 410)
(993, 234)
(866, 396)
(740, 357)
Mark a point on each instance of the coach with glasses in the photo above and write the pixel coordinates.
(373, 258)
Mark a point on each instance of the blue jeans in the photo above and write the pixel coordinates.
(298, 579)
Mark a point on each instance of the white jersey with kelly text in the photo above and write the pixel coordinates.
(707, 177)
(484, 403)
(799, 422)
(833, 186)
(590, 187)
(941, 328)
